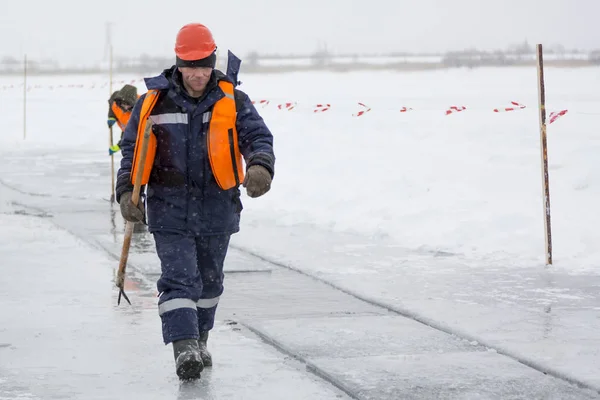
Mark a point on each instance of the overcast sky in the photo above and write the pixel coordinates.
(68, 30)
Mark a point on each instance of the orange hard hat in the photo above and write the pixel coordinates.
(194, 42)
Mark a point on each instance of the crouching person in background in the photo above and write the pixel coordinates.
(120, 105)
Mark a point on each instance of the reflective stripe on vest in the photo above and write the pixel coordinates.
(122, 116)
(221, 139)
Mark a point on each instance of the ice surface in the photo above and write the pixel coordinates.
(421, 215)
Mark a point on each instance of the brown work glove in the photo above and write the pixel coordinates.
(257, 181)
(129, 211)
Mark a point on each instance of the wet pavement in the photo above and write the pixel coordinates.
(304, 315)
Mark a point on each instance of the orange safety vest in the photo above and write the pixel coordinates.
(221, 140)
(122, 116)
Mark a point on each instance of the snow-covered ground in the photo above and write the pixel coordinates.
(468, 183)
(438, 216)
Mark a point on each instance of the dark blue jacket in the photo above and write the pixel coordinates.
(182, 194)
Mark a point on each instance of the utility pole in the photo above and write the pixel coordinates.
(108, 40)
(108, 45)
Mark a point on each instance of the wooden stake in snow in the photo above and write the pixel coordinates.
(544, 153)
(25, 97)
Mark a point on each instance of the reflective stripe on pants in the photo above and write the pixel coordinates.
(175, 304)
(191, 282)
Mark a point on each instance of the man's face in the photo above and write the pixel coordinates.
(123, 105)
(195, 79)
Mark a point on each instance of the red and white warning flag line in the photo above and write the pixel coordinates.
(322, 107)
(286, 106)
(365, 109)
(517, 106)
(555, 115)
(455, 109)
(262, 103)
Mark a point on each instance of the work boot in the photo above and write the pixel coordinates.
(188, 362)
(204, 353)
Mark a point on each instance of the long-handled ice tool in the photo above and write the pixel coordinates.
(135, 198)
